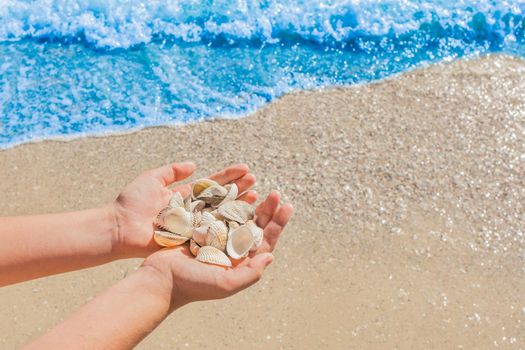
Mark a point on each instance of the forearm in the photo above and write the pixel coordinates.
(119, 318)
(41, 245)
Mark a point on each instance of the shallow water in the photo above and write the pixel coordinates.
(72, 68)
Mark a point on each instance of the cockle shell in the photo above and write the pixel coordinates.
(176, 220)
(257, 233)
(239, 243)
(200, 234)
(176, 200)
(217, 235)
(212, 255)
(196, 219)
(194, 247)
(168, 239)
(197, 205)
(213, 195)
(207, 218)
(232, 190)
(236, 210)
(200, 185)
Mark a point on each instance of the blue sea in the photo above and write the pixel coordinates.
(70, 68)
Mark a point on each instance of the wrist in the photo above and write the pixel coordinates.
(113, 230)
(162, 285)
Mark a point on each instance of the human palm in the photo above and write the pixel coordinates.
(141, 200)
(194, 280)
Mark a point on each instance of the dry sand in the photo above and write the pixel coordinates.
(409, 232)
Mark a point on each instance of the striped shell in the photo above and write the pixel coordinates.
(168, 239)
(217, 235)
(211, 255)
(194, 247)
(200, 185)
(176, 220)
(237, 210)
(176, 200)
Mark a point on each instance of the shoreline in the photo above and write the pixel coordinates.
(408, 194)
(255, 110)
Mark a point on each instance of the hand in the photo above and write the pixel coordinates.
(191, 280)
(139, 203)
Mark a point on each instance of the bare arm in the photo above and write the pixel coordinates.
(42, 245)
(126, 313)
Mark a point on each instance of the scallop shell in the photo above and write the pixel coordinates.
(168, 239)
(199, 234)
(239, 243)
(196, 219)
(200, 185)
(197, 205)
(257, 233)
(232, 225)
(176, 200)
(233, 191)
(217, 235)
(176, 220)
(237, 210)
(194, 247)
(212, 255)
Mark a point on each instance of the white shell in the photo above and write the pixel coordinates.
(233, 191)
(168, 239)
(194, 247)
(213, 255)
(239, 243)
(176, 200)
(176, 220)
(197, 205)
(217, 235)
(200, 234)
(200, 185)
(257, 232)
(207, 218)
(213, 195)
(237, 210)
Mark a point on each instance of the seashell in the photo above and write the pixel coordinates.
(200, 185)
(233, 191)
(213, 195)
(207, 218)
(257, 233)
(216, 215)
(217, 235)
(212, 255)
(176, 200)
(239, 242)
(232, 225)
(176, 220)
(187, 203)
(194, 247)
(197, 205)
(196, 219)
(237, 210)
(168, 239)
(199, 234)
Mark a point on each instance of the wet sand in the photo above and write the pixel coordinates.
(409, 225)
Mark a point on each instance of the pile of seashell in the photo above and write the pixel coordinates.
(213, 220)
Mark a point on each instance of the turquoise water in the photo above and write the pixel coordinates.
(71, 68)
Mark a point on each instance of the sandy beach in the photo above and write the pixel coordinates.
(409, 226)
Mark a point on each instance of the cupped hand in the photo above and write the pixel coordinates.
(138, 204)
(192, 280)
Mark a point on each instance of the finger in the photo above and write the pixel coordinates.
(245, 275)
(245, 182)
(230, 174)
(273, 230)
(170, 173)
(249, 197)
(184, 190)
(266, 209)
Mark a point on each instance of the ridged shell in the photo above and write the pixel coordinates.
(168, 239)
(200, 234)
(200, 185)
(176, 200)
(197, 205)
(217, 235)
(207, 218)
(257, 232)
(196, 219)
(213, 195)
(239, 243)
(233, 191)
(213, 255)
(239, 211)
(194, 247)
(176, 220)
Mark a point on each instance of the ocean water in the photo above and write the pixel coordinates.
(70, 68)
